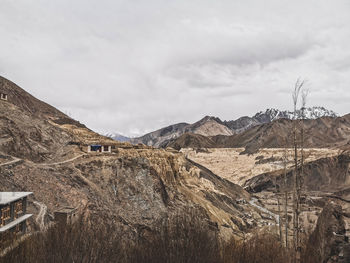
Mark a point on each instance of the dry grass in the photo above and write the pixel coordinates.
(180, 239)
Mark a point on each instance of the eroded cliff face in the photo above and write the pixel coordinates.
(135, 187)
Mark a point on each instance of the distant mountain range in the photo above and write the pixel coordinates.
(213, 126)
(117, 137)
(245, 123)
(323, 132)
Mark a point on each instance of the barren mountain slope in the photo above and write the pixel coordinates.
(31, 105)
(191, 140)
(158, 136)
(134, 186)
(24, 135)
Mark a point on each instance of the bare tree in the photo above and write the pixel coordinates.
(285, 161)
(277, 192)
(304, 94)
(296, 178)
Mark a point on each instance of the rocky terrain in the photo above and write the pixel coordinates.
(328, 242)
(136, 186)
(213, 126)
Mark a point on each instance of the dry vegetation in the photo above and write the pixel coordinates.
(178, 239)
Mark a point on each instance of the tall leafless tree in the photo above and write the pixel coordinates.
(298, 87)
(277, 193)
(285, 161)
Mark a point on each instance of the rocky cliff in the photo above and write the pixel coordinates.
(328, 242)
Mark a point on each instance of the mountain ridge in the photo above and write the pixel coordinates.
(214, 126)
(321, 132)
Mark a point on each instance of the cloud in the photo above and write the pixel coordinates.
(135, 66)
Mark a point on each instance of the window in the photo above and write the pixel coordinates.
(18, 208)
(3, 96)
(5, 215)
(105, 148)
(95, 148)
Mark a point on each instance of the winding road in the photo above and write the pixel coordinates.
(263, 209)
(62, 162)
(41, 216)
(16, 160)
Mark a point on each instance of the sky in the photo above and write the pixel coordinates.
(134, 66)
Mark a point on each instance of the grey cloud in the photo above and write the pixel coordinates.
(135, 66)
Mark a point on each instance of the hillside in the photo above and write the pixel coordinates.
(32, 105)
(191, 140)
(134, 186)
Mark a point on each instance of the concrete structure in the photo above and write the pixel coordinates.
(99, 148)
(66, 215)
(13, 207)
(3, 96)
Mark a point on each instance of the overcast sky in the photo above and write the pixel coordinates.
(134, 66)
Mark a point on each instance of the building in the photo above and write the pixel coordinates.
(3, 96)
(99, 148)
(13, 208)
(66, 215)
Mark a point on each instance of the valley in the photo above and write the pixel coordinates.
(230, 164)
(233, 183)
(326, 178)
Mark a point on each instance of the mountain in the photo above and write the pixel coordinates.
(245, 123)
(190, 140)
(321, 132)
(134, 187)
(208, 126)
(117, 137)
(213, 126)
(32, 105)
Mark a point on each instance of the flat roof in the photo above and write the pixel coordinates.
(14, 223)
(8, 197)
